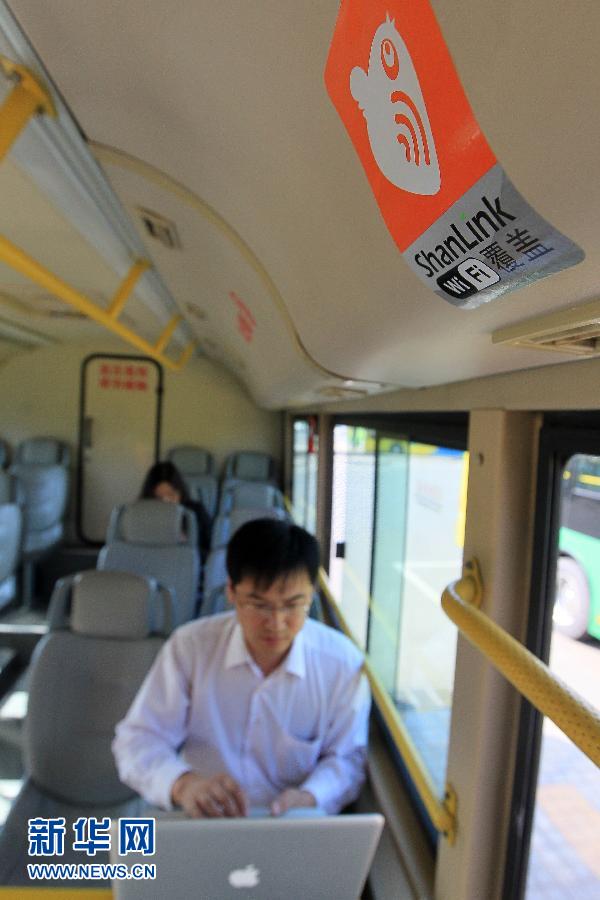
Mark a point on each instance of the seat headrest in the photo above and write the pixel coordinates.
(108, 604)
(151, 522)
(191, 460)
(42, 451)
(252, 466)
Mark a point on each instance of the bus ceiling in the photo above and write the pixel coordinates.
(209, 145)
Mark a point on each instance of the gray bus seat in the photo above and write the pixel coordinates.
(40, 473)
(249, 465)
(251, 495)
(10, 549)
(158, 540)
(84, 676)
(225, 525)
(197, 468)
(41, 491)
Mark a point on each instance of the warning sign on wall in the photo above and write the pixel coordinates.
(450, 207)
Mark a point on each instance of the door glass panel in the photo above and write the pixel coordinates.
(388, 558)
(564, 859)
(427, 646)
(352, 524)
(304, 473)
(397, 541)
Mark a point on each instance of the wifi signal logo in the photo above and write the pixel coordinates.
(390, 96)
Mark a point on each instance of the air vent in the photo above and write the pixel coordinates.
(159, 228)
(575, 331)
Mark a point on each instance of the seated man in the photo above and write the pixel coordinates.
(256, 707)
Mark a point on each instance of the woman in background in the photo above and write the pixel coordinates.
(165, 482)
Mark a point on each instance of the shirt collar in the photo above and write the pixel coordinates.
(294, 662)
(237, 653)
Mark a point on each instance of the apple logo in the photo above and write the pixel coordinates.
(244, 878)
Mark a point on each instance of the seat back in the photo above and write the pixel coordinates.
(225, 525)
(197, 468)
(250, 495)
(215, 571)
(158, 540)
(84, 676)
(10, 549)
(41, 491)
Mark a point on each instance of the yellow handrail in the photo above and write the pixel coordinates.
(19, 260)
(442, 815)
(531, 677)
(27, 98)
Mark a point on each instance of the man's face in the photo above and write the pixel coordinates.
(270, 618)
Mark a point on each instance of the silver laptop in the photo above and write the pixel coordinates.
(306, 858)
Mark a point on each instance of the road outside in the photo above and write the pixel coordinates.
(564, 860)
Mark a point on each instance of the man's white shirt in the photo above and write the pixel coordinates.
(205, 705)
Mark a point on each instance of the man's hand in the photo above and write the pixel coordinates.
(216, 797)
(292, 798)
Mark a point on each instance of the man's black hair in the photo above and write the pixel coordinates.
(267, 549)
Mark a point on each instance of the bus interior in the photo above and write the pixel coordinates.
(207, 248)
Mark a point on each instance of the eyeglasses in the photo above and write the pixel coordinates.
(292, 610)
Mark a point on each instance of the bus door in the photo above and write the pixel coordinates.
(119, 436)
(555, 828)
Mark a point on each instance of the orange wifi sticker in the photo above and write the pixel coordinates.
(392, 80)
(461, 224)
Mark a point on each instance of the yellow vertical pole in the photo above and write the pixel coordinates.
(167, 334)
(122, 295)
(27, 98)
(186, 355)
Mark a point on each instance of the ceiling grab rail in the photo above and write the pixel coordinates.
(27, 98)
(18, 260)
(443, 814)
(529, 675)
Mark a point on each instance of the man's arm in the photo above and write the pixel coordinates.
(147, 739)
(339, 774)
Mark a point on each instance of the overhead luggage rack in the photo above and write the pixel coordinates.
(28, 98)
(24, 264)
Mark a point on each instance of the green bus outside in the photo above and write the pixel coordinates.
(577, 604)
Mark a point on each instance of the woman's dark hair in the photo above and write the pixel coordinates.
(164, 471)
(267, 549)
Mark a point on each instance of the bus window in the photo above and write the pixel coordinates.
(564, 859)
